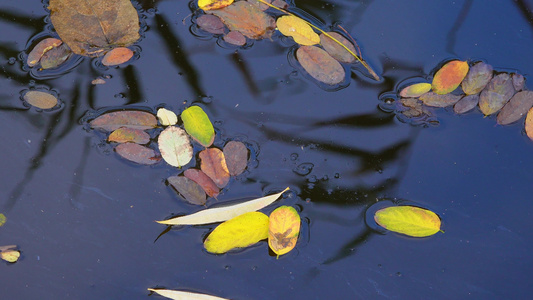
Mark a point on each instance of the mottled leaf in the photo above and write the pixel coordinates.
(137, 153)
(248, 19)
(516, 108)
(203, 180)
(211, 24)
(182, 295)
(529, 124)
(409, 220)
(213, 4)
(92, 26)
(220, 214)
(335, 50)
(298, 29)
(415, 90)
(117, 56)
(55, 57)
(519, 81)
(42, 100)
(175, 147)
(40, 49)
(413, 108)
(236, 155)
(188, 189)
(284, 228)
(448, 78)
(320, 65)
(125, 135)
(135, 119)
(466, 104)
(3, 220)
(499, 90)
(235, 38)
(477, 78)
(198, 125)
(239, 232)
(166, 117)
(213, 164)
(437, 100)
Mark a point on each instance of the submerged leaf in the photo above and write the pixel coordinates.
(239, 232)
(477, 78)
(125, 135)
(213, 4)
(335, 50)
(137, 153)
(55, 57)
(182, 295)
(203, 180)
(248, 19)
(320, 65)
(284, 228)
(436, 100)
(466, 104)
(175, 146)
(213, 164)
(40, 49)
(117, 56)
(89, 27)
(408, 220)
(166, 117)
(136, 119)
(499, 90)
(198, 125)
(220, 214)
(415, 90)
(42, 100)
(298, 29)
(449, 77)
(236, 155)
(516, 108)
(190, 190)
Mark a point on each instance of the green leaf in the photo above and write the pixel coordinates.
(198, 125)
(409, 220)
(3, 219)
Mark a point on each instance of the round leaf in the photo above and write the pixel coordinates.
(10, 255)
(320, 65)
(42, 100)
(117, 56)
(499, 90)
(298, 29)
(175, 146)
(477, 78)
(409, 220)
(284, 228)
(448, 78)
(166, 117)
(198, 125)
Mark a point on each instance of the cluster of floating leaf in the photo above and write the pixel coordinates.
(467, 86)
(321, 55)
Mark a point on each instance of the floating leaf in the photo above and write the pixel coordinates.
(137, 153)
(125, 135)
(221, 214)
(529, 124)
(516, 108)
(477, 78)
(284, 228)
(2, 220)
(9, 253)
(235, 38)
(203, 180)
(248, 19)
(198, 125)
(175, 146)
(213, 164)
(42, 100)
(499, 90)
(239, 232)
(437, 100)
(415, 90)
(448, 78)
(320, 65)
(335, 50)
(213, 4)
(466, 104)
(40, 49)
(117, 56)
(211, 24)
(135, 119)
(408, 220)
(236, 155)
(298, 29)
(413, 108)
(91, 27)
(190, 190)
(166, 117)
(519, 81)
(182, 295)
(55, 57)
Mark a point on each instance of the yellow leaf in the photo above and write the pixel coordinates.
(3, 219)
(284, 228)
(182, 295)
(409, 220)
(529, 124)
(239, 232)
(9, 253)
(449, 77)
(415, 90)
(213, 4)
(298, 29)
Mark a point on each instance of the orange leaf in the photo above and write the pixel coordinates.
(449, 77)
(284, 228)
(213, 164)
(117, 56)
(529, 124)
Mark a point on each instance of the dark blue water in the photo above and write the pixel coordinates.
(83, 217)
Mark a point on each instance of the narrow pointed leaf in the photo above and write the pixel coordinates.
(499, 90)
(182, 295)
(477, 78)
(298, 29)
(198, 125)
(188, 189)
(320, 65)
(135, 119)
(449, 77)
(175, 146)
(221, 214)
(213, 164)
(137, 153)
(415, 90)
(409, 220)
(125, 135)
(166, 117)
(284, 228)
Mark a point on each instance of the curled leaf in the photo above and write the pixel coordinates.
(335, 50)
(166, 117)
(516, 108)
(203, 180)
(409, 220)
(284, 228)
(10, 255)
(137, 153)
(175, 146)
(40, 49)
(415, 90)
(39, 99)
(183, 295)
(190, 190)
(117, 56)
(298, 29)
(499, 90)
(213, 164)
(198, 125)
(320, 65)
(449, 77)
(477, 78)
(135, 119)
(236, 155)
(125, 135)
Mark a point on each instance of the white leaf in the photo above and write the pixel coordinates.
(175, 146)
(181, 295)
(166, 117)
(221, 214)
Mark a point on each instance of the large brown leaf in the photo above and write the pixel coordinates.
(128, 118)
(213, 164)
(236, 155)
(90, 27)
(137, 153)
(320, 65)
(499, 90)
(516, 108)
(248, 19)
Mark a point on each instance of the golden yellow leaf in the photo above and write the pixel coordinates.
(449, 77)
(409, 220)
(298, 29)
(415, 90)
(213, 4)
(9, 253)
(529, 124)
(284, 228)
(241, 231)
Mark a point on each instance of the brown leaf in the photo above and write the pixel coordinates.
(135, 119)
(516, 108)
(188, 189)
(40, 49)
(117, 56)
(248, 19)
(39, 99)
(125, 135)
(235, 38)
(466, 104)
(137, 153)
(55, 57)
(211, 24)
(499, 90)
(437, 100)
(203, 180)
(320, 65)
(213, 164)
(236, 155)
(337, 51)
(91, 26)
(413, 108)
(477, 78)
(519, 81)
